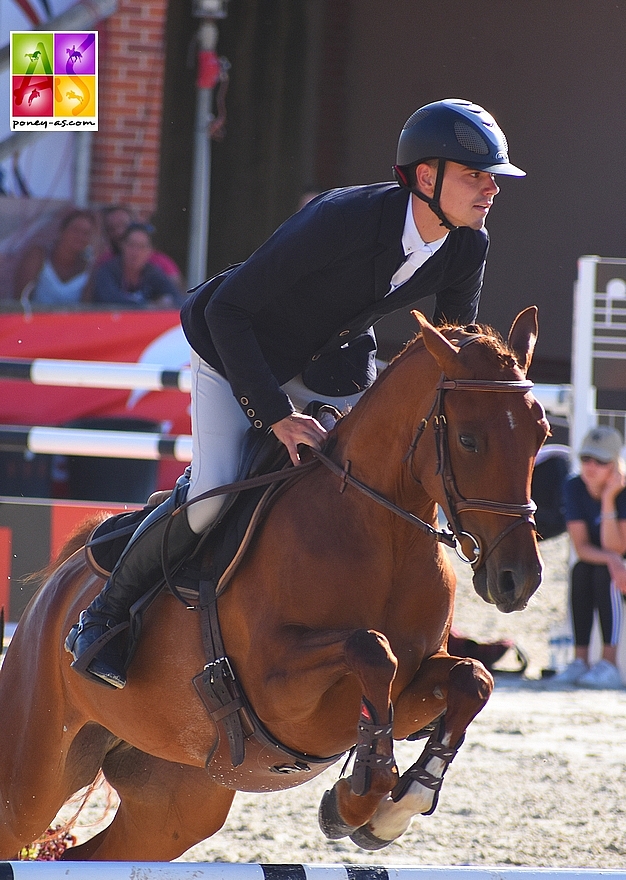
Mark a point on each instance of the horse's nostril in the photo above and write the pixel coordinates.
(506, 582)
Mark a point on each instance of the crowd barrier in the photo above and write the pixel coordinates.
(32, 531)
(224, 871)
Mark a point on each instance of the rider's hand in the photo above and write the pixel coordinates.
(298, 428)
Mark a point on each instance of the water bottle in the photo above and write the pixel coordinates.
(560, 649)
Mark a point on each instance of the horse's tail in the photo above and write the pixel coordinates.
(74, 542)
(53, 843)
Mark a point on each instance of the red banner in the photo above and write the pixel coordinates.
(152, 337)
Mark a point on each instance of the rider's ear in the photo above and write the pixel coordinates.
(443, 351)
(523, 336)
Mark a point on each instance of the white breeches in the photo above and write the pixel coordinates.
(218, 427)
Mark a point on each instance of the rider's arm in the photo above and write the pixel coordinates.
(303, 245)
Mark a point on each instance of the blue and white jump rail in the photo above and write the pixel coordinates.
(224, 871)
(95, 374)
(101, 444)
(557, 399)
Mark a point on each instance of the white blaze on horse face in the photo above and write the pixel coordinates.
(511, 419)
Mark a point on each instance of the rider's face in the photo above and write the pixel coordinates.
(467, 195)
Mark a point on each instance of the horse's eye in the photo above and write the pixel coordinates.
(468, 442)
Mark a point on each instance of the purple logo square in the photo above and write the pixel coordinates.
(75, 53)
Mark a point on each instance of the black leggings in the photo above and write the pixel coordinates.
(591, 588)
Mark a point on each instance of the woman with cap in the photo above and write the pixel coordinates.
(595, 511)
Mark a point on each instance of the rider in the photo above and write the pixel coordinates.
(299, 312)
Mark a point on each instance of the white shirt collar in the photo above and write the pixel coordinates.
(413, 244)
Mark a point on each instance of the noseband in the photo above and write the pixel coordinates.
(475, 555)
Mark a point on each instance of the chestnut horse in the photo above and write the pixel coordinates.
(335, 623)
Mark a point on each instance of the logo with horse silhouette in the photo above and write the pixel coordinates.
(54, 79)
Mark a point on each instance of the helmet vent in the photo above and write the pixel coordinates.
(470, 139)
(420, 114)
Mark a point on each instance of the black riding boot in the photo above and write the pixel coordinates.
(98, 654)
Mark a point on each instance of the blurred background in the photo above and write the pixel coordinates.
(311, 94)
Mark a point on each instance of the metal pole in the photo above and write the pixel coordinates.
(207, 77)
(82, 167)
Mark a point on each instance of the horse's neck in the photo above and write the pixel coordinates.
(376, 436)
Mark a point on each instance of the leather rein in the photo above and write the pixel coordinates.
(455, 536)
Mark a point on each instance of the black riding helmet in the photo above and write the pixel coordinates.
(451, 130)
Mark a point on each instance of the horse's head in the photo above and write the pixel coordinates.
(487, 428)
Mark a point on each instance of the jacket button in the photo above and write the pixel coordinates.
(244, 401)
(258, 423)
(250, 412)
(344, 333)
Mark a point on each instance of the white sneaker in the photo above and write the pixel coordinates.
(603, 675)
(571, 674)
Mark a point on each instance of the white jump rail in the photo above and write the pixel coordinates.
(223, 871)
(95, 374)
(100, 444)
(154, 377)
(556, 399)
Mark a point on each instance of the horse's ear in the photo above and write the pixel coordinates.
(523, 336)
(443, 351)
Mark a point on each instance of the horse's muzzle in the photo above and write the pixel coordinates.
(509, 583)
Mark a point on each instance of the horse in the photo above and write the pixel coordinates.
(335, 624)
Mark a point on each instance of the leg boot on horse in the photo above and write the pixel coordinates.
(98, 655)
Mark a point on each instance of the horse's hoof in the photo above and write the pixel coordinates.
(332, 825)
(366, 840)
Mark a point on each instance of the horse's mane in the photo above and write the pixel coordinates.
(73, 542)
(490, 339)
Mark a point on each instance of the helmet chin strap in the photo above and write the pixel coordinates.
(433, 203)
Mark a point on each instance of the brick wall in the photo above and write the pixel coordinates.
(125, 161)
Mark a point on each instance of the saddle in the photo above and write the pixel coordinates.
(245, 753)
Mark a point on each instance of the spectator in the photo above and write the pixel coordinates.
(60, 276)
(115, 220)
(595, 511)
(130, 279)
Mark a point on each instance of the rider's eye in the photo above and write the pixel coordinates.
(468, 442)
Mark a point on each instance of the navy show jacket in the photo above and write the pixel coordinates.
(317, 283)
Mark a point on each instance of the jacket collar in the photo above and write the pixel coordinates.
(390, 253)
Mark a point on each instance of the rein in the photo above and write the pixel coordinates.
(457, 503)
(346, 478)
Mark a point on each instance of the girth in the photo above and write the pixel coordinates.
(250, 745)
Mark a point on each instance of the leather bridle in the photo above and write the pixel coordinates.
(476, 555)
(457, 504)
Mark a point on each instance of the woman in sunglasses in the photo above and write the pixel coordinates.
(595, 512)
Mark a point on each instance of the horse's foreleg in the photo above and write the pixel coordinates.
(368, 656)
(458, 687)
(317, 681)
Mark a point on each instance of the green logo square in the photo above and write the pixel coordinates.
(32, 52)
